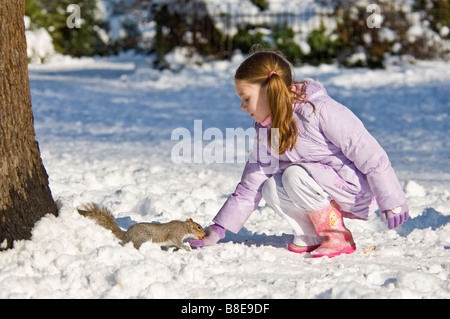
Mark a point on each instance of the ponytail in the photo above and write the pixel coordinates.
(280, 99)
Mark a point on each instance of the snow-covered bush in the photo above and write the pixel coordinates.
(119, 26)
(39, 43)
(80, 39)
(184, 23)
(390, 28)
(85, 27)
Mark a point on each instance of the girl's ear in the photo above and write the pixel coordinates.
(294, 89)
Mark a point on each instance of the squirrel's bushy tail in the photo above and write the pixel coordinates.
(103, 217)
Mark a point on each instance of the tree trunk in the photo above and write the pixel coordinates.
(24, 192)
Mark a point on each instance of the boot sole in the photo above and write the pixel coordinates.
(347, 250)
(306, 249)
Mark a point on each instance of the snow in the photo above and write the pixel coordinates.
(104, 128)
(39, 44)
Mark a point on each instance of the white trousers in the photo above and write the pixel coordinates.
(291, 195)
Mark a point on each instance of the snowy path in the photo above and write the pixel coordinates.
(104, 129)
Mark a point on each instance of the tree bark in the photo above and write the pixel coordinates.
(24, 192)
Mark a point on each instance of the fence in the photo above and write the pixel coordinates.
(231, 24)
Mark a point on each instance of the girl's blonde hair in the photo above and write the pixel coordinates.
(272, 69)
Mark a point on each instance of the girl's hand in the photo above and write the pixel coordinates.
(396, 216)
(214, 233)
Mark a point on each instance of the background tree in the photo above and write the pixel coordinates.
(24, 192)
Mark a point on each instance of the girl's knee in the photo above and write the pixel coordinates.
(269, 190)
(293, 175)
(303, 189)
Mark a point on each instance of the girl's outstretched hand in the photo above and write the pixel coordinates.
(396, 216)
(214, 233)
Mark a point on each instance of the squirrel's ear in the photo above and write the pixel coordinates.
(189, 220)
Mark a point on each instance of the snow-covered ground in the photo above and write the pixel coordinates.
(104, 127)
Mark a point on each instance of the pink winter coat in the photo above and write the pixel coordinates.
(338, 152)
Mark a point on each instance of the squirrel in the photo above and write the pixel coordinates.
(167, 234)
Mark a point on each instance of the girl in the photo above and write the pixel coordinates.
(328, 165)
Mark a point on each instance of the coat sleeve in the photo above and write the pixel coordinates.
(248, 193)
(342, 128)
(241, 204)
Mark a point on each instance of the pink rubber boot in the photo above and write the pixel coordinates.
(328, 222)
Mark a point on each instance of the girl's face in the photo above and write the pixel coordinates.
(254, 100)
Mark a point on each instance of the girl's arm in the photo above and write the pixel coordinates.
(241, 204)
(245, 199)
(238, 207)
(348, 133)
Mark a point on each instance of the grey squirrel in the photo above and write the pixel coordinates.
(167, 234)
